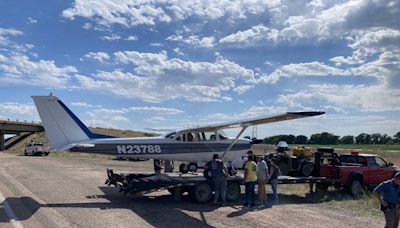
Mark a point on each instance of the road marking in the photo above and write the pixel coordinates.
(10, 213)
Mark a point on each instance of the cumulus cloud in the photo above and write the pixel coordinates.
(99, 56)
(13, 111)
(20, 69)
(133, 13)
(153, 109)
(195, 41)
(157, 77)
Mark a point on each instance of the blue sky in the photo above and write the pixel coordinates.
(172, 64)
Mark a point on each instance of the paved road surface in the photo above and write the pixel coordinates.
(70, 192)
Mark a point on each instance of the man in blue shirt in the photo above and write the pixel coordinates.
(388, 194)
(218, 174)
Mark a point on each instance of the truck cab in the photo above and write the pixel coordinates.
(36, 149)
(355, 171)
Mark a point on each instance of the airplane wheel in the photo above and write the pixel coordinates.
(192, 167)
(183, 168)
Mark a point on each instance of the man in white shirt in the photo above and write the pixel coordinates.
(262, 179)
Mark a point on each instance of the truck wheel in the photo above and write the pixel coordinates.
(306, 169)
(192, 167)
(355, 188)
(233, 191)
(201, 193)
(183, 168)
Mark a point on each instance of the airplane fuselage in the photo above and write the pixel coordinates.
(166, 148)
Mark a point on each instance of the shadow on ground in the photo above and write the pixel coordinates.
(161, 210)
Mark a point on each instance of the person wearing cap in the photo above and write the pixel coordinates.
(388, 194)
(218, 174)
(262, 178)
(274, 172)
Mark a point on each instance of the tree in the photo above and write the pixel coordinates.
(324, 138)
(347, 139)
(300, 139)
(363, 138)
(397, 137)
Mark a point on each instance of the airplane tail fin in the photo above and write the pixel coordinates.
(62, 127)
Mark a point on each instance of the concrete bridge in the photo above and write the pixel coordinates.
(21, 130)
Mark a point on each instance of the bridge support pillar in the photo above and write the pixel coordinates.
(2, 142)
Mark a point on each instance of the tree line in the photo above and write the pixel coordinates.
(326, 138)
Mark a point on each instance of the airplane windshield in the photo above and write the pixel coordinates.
(170, 135)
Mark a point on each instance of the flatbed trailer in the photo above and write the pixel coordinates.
(198, 187)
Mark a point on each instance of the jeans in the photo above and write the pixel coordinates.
(392, 216)
(250, 195)
(274, 186)
(220, 188)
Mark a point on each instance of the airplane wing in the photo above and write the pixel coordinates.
(256, 121)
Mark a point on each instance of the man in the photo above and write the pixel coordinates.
(274, 172)
(250, 178)
(388, 194)
(157, 167)
(218, 175)
(262, 178)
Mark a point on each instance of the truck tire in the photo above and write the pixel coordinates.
(306, 169)
(355, 188)
(233, 191)
(201, 193)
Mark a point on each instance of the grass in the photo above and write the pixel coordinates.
(367, 147)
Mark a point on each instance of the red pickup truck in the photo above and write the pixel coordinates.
(354, 171)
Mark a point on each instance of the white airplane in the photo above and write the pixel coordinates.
(193, 145)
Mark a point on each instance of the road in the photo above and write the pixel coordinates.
(70, 192)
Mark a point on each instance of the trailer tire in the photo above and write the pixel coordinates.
(355, 188)
(201, 193)
(233, 191)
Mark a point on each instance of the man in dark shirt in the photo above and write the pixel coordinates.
(388, 194)
(218, 174)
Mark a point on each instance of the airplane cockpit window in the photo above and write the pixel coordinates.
(170, 135)
(189, 137)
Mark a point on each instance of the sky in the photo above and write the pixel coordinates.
(171, 64)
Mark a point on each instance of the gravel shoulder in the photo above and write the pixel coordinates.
(70, 192)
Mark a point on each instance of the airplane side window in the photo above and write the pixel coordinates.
(178, 139)
(198, 137)
(213, 138)
(221, 137)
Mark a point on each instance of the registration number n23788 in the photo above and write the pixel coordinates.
(138, 149)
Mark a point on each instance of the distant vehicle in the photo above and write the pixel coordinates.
(36, 149)
(354, 171)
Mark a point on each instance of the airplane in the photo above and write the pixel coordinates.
(192, 145)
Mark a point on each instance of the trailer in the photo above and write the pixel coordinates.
(196, 185)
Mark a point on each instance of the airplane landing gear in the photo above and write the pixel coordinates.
(192, 167)
(183, 168)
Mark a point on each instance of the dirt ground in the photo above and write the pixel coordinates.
(70, 192)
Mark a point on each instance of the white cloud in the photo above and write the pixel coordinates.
(375, 98)
(157, 77)
(99, 56)
(19, 69)
(85, 105)
(153, 109)
(253, 35)
(111, 37)
(32, 21)
(195, 41)
(131, 38)
(13, 111)
(155, 119)
(132, 13)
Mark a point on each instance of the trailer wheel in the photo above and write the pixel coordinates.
(183, 168)
(201, 193)
(233, 191)
(355, 188)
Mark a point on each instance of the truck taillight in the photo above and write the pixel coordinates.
(354, 153)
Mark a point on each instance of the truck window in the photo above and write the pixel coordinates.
(380, 162)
